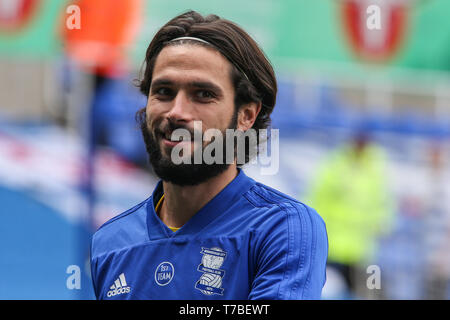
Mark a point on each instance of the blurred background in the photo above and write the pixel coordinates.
(363, 113)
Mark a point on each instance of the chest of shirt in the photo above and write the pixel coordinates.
(178, 268)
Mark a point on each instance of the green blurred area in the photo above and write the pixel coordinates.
(287, 30)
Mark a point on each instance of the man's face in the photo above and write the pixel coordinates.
(189, 83)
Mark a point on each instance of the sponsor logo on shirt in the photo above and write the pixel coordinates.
(164, 273)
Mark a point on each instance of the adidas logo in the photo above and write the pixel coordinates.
(119, 286)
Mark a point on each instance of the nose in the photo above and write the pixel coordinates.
(181, 108)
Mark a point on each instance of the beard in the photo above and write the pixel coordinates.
(183, 174)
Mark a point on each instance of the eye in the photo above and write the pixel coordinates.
(205, 94)
(163, 91)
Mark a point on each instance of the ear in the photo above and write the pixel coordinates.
(247, 115)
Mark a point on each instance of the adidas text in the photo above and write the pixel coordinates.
(119, 287)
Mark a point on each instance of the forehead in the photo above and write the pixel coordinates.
(188, 62)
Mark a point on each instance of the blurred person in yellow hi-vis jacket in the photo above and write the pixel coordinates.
(350, 192)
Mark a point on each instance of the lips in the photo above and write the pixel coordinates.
(170, 140)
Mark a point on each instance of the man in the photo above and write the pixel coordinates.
(350, 191)
(208, 231)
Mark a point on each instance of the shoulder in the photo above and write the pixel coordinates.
(115, 233)
(290, 247)
(280, 204)
(280, 216)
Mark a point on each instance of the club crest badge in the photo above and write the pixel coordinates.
(211, 280)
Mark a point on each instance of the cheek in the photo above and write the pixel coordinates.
(148, 118)
(221, 117)
(152, 115)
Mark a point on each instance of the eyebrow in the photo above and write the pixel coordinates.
(194, 84)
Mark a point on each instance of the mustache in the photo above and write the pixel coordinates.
(166, 127)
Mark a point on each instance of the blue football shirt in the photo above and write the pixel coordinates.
(249, 242)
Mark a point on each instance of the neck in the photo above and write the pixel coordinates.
(182, 202)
